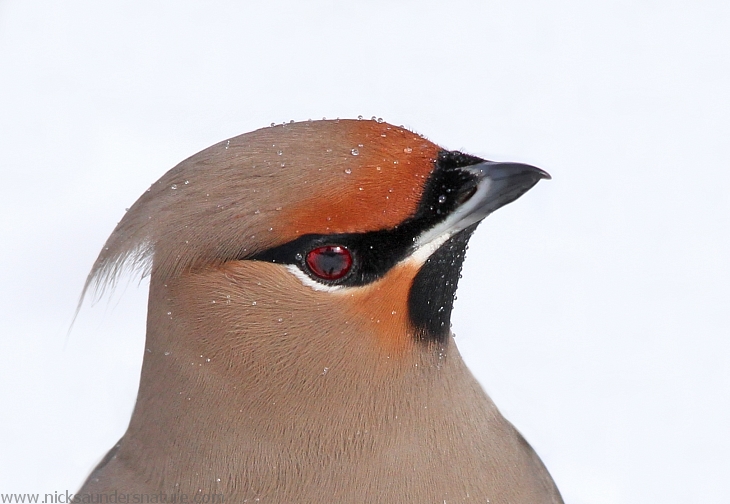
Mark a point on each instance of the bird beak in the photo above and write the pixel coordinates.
(497, 184)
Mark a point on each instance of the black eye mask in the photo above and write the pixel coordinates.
(374, 253)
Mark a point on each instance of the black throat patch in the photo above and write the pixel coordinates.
(432, 294)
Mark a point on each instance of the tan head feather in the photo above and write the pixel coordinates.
(267, 187)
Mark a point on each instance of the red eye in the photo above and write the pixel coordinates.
(330, 262)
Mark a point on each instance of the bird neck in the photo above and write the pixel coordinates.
(225, 355)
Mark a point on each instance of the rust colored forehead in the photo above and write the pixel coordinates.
(375, 182)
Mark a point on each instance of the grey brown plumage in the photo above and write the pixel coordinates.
(261, 380)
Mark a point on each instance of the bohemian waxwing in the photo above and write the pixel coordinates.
(298, 336)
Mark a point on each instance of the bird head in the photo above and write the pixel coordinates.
(309, 237)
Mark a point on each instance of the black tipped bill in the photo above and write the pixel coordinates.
(493, 185)
(499, 184)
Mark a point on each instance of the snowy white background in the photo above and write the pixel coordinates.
(595, 310)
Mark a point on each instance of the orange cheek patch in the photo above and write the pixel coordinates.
(376, 189)
(382, 308)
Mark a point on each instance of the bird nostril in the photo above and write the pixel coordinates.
(330, 262)
(466, 194)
